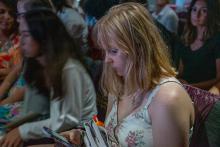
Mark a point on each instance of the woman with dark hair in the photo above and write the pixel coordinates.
(200, 57)
(72, 20)
(12, 87)
(54, 69)
(9, 41)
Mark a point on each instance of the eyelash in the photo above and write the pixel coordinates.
(203, 10)
(113, 51)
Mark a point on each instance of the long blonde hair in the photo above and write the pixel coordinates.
(131, 28)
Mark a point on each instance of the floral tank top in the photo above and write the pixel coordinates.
(135, 130)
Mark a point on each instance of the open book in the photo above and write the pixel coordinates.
(95, 136)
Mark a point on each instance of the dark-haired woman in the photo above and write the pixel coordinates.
(55, 70)
(9, 41)
(200, 58)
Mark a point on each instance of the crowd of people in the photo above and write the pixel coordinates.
(59, 60)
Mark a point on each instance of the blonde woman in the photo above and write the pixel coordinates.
(147, 106)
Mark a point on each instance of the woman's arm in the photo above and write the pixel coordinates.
(172, 116)
(9, 80)
(210, 83)
(205, 84)
(79, 100)
(4, 72)
(17, 95)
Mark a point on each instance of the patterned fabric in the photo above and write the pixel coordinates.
(19, 83)
(10, 53)
(206, 129)
(135, 130)
(124, 134)
(9, 112)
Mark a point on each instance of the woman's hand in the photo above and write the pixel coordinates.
(214, 90)
(12, 139)
(73, 136)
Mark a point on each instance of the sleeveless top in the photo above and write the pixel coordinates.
(136, 128)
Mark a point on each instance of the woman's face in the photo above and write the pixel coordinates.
(199, 13)
(29, 46)
(117, 59)
(6, 18)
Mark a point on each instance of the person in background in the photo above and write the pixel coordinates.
(145, 100)
(200, 53)
(12, 86)
(70, 17)
(73, 21)
(94, 10)
(9, 40)
(54, 69)
(25, 5)
(172, 40)
(166, 16)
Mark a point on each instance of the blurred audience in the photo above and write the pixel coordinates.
(166, 15)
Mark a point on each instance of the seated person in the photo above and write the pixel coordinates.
(145, 100)
(54, 70)
(10, 54)
(199, 55)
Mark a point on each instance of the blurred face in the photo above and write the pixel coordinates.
(117, 59)
(6, 19)
(199, 13)
(29, 46)
(21, 10)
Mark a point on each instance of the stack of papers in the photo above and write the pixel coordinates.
(95, 136)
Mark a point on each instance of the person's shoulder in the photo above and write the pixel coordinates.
(73, 64)
(172, 94)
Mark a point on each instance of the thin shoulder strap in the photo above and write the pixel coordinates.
(171, 80)
(156, 89)
(152, 94)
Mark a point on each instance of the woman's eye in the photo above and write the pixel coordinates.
(113, 51)
(194, 9)
(2, 11)
(204, 10)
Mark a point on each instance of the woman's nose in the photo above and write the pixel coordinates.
(7, 15)
(108, 59)
(198, 14)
